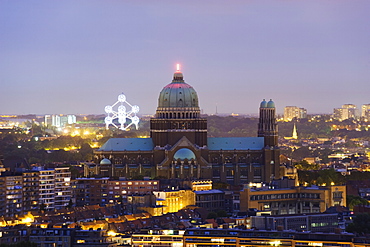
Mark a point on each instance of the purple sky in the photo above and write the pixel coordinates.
(77, 56)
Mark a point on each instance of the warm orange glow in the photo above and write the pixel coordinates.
(178, 67)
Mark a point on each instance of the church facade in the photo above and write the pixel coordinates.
(178, 147)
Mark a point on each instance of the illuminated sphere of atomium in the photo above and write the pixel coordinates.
(135, 120)
(108, 120)
(108, 109)
(135, 109)
(121, 98)
(121, 108)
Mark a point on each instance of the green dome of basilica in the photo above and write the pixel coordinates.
(178, 94)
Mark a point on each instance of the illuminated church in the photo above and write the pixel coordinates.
(178, 147)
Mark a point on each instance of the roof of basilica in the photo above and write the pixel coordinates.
(235, 143)
(214, 143)
(178, 94)
(128, 144)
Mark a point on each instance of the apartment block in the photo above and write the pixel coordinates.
(62, 187)
(291, 112)
(297, 200)
(30, 191)
(11, 195)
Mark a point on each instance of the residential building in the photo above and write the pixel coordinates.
(30, 191)
(174, 200)
(47, 189)
(348, 111)
(296, 200)
(90, 191)
(304, 222)
(237, 237)
(294, 112)
(212, 200)
(62, 187)
(59, 121)
(45, 237)
(365, 112)
(11, 196)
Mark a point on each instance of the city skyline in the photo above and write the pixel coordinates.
(75, 58)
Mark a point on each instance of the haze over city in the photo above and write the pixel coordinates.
(76, 57)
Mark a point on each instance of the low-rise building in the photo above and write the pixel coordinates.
(296, 200)
(45, 237)
(212, 200)
(174, 200)
(304, 222)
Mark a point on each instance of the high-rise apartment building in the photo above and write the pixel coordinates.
(347, 111)
(365, 112)
(90, 191)
(291, 112)
(46, 189)
(63, 192)
(30, 190)
(11, 195)
(55, 188)
(59, 120)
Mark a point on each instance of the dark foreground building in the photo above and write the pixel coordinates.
(178, 147)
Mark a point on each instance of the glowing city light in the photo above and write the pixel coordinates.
(122, 114)
(111, 233)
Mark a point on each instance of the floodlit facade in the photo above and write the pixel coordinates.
(174, 200)
(178, 147)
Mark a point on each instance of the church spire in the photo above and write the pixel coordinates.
(295, 134)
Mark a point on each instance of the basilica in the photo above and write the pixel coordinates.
(178, 147)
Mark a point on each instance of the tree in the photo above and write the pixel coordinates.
(86, 151)
(304, 165)
(70, 204)
(221, 213)
(356, 200)
(360, 225)
(301, 153)
(212, 215)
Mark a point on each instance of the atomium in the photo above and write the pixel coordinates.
(122, 114)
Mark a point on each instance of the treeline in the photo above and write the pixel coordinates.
(329, 176)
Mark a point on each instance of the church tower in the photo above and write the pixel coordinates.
(267, 126)
(178, 115)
